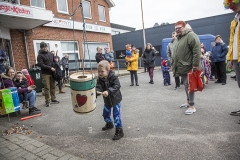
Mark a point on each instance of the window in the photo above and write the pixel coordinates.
(62, 6)
(101, 13)
(92, 52)
(68, 48)
(86, 9)
(38, 3)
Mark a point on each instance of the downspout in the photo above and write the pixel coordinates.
(25, 41)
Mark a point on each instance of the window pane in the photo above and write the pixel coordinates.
(86, 9)
(37, 3)
(101, 13)
(92, 50)
(62, 5)
(69, 46)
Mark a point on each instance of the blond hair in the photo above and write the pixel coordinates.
(105, 64)
(99, 48)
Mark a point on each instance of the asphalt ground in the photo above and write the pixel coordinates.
(154, 125)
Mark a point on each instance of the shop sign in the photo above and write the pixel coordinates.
(18, 10)
(62, 23)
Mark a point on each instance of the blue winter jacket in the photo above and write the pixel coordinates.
(109, 56)
(2, 59)
(219, 52)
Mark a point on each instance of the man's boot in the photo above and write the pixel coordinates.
(108, 126)
(119, 134)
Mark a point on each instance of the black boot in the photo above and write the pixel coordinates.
(108, 126)
(119, 134)
(25, 105)
(34, 110)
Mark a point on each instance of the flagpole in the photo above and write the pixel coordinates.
(144, 38)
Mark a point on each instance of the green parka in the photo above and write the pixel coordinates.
(186, 52)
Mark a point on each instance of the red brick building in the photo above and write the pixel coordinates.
(26, 23)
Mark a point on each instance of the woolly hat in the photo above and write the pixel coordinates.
(164, 63)
(228, 4)
(43, 44)
(25, 71)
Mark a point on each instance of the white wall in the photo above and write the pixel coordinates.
(4, 33)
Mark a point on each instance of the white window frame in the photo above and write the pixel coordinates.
(90, 8)
(44, 7)
(103, 13)
(62, 11)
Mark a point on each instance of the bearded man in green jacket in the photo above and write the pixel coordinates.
(186, 57)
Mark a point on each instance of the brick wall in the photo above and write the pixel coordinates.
(57, 34)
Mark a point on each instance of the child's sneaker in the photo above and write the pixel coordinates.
(118, 134)
(108, 126)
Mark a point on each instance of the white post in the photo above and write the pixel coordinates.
(144, 39)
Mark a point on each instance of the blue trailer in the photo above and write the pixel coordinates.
(207, 39)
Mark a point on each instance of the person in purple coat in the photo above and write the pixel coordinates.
(7, 81)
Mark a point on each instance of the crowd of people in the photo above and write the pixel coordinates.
(53, 69)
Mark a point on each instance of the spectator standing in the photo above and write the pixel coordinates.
(65, 65)
(45, 61)
(233, 56)
(133, 68)
(218, 56)
(187, 51)
(99, 56)
(149, 57)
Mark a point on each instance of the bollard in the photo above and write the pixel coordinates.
(83, 92)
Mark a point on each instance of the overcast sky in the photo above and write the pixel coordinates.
(128, 12)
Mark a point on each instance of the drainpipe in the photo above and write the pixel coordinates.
(25, 41)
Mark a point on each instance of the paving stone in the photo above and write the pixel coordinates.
(57, 153)
(13, 147)
(16, 154)
(22, 137)
(5, 143)
(29, 147)
(75, 158)
(26, 143)
(66, 157)
(49, 157)
(38, 144)
(40, 149)
(4, 151)
(45, 151)
(29, 156)
(3, 158)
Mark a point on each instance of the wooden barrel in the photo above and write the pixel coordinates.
(83, 92)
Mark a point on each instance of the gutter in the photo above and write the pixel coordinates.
(26, 47)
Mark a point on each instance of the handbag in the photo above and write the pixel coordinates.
(195, 81)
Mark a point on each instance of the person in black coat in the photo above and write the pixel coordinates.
(58, 73)
(45, 60)
(149, 57)
(21, 82)
(99, 56)
(109, 86)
